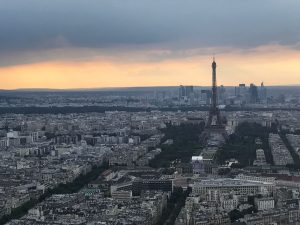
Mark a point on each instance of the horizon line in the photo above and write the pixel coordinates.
(131, 87)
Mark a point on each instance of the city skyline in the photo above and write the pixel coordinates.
(115, 44)
(149, 112)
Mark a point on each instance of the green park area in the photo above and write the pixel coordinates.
(185, 145)
(242, 144)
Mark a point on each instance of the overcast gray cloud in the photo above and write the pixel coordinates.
(30, 25)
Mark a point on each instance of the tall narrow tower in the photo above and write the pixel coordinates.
(214, 119)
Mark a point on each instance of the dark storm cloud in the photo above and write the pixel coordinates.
(28, 25)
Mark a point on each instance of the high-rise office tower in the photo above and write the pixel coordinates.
(262, 93)
(186, 92)
(253, 94)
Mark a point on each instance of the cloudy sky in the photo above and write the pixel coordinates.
(113, 43)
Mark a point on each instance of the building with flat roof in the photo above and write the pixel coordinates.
(227, 185)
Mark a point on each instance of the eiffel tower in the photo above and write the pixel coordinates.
(214, 119)
(214, 133)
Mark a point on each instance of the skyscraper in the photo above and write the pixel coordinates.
(240, 91)
(262, 93)
(221, 94)
(185, 91)
(253, 94)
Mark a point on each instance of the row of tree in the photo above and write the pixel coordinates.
(101, 109)
(175, 203)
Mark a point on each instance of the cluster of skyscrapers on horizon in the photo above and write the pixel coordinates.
(242, 93)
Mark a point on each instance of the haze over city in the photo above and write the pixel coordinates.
(78, 44)
(144, 112)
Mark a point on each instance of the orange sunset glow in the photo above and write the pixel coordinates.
(275, 65)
